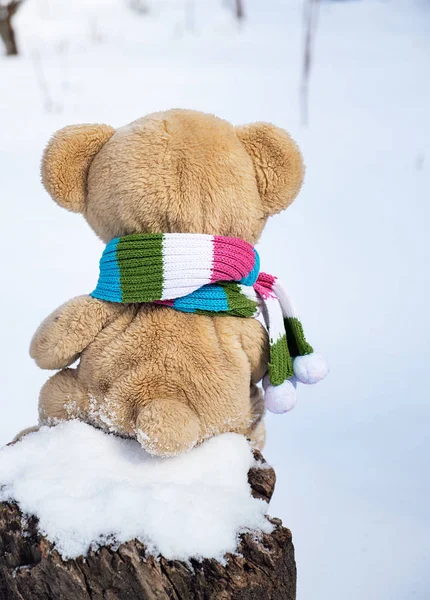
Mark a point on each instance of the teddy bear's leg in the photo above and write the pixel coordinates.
(257, 432)
(62, 398)
(257, 436)
(167, 427)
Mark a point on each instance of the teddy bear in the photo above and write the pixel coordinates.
(172, 184)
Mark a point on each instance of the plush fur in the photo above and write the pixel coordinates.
(168, 378)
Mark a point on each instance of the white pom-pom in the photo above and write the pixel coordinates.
(310, 368)
(280, 398)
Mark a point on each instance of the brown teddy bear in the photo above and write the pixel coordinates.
(170, 378)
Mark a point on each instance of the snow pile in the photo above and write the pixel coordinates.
(88, 487)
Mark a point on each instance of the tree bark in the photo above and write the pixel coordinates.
(7, 32)
(31, 569)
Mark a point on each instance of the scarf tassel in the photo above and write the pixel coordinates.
(292, 358)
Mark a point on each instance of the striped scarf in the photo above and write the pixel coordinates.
(213, 275)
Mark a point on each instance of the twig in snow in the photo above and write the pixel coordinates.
(7, 32)
(48, 103)
(240, 11)
(139, 6)
(310, 20)
(96, 37)
(190, 15)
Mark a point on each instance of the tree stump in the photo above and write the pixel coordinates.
(31, 569)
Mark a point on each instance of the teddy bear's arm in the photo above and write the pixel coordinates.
(67, 331)
(255, 343)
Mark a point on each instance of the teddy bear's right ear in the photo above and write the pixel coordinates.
(278, 164)
(66, 161)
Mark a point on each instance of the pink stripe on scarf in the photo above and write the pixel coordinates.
(264, 285)
(233, 259)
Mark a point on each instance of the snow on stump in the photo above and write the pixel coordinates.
(87, 515)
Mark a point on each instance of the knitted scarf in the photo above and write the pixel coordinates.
(213, 275)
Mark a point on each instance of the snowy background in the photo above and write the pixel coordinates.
(353, 458)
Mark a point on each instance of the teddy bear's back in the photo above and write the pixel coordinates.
(155, 353)
(172, 172)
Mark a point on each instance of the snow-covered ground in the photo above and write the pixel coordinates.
(87, 487)
(353, 458)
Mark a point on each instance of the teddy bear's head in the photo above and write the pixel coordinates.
(178, 171)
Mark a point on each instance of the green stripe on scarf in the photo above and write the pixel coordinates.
(135, 256)
(297, 343)
(281, 364)
(239, 304)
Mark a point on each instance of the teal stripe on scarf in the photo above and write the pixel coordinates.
(209, 298)
(109, 286)
(253, 276)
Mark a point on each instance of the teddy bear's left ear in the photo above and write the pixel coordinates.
(66, 161)
(277, 162)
